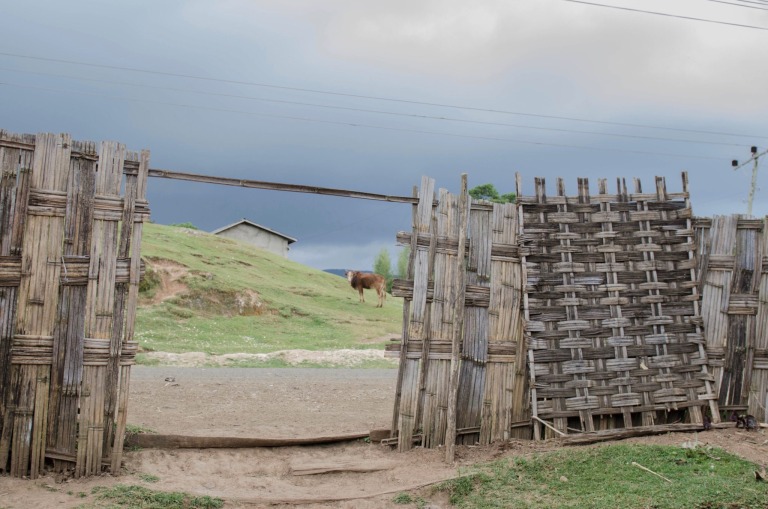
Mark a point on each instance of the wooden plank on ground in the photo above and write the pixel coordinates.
(150, 441)
(325, 467)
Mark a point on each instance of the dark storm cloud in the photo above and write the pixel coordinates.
(233, 88)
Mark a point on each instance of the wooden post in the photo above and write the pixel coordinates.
(458, 324)
(416, 325)
(406, 311)
(69, 335)
(130, 312)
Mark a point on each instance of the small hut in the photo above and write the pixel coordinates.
(257, 235)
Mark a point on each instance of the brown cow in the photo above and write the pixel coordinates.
(365, 280)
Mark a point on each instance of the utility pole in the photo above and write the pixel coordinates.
(753, 158)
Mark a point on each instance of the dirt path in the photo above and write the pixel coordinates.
(259, 402)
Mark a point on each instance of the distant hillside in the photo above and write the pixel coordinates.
(204, 293)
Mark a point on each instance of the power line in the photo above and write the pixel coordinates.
(380, 112)
(756, 2)
(369, 126)
(377, 98)
(690, 18)
(739, 5)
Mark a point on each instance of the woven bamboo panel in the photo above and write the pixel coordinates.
(733, 261)
(612, 308)
(492, 383)
(505, 402)
(66, 346)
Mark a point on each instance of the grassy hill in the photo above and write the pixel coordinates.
(204, 293)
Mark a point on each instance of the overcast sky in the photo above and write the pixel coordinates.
(370, 96)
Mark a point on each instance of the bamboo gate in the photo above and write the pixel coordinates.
(69, 272)
(580, 313)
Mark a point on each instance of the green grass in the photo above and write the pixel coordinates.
(137, 497)
(407, 499)
(133, 429)
(605, 478)
(148, 478)
(239, 299)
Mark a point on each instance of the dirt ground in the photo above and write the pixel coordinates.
(290, 403)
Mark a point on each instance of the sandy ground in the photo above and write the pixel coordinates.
(294, 402)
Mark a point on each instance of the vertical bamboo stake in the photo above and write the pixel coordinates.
(10, 245)
(121, 292)
(406, 310)
(38, 426)
(525, 342)
(758, 394)
(122, 419)
(705, 375)
(68, 336)
(130, 313)
(416, 325)
(9, 166)
(458, 324)
(41, 248)
(427, 327)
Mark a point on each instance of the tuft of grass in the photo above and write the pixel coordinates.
(134, 429)
(408, 499)
(148, 478)
(149, 283)
(403, 499)
(186, 225)
(605, 478)
(460, 488)
(138, 497)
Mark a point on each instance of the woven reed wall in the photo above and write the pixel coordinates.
(608, 324)
(612, 308)
(733, 261)
(69, 272)
(492, 389)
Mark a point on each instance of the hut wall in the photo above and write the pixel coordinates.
(69, 273)
(733, 261)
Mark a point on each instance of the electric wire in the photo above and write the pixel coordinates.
(379, 112)
(756, 2)
(764, 8)
(378, 98)
(386, 128)
(666, 14)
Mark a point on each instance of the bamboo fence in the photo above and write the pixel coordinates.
(612, 309)
(733, 260)
(580, 313)
(476, 303)
(69, 272)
